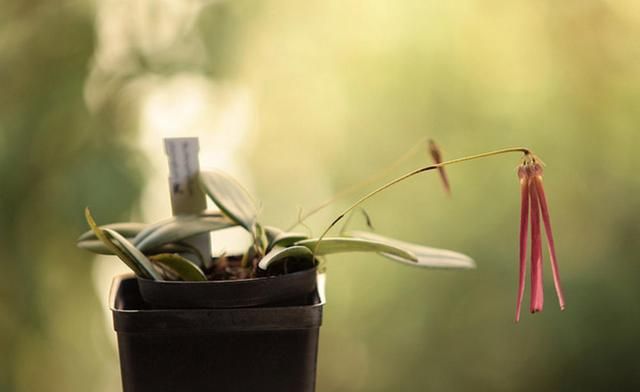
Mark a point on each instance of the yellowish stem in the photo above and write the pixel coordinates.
(412, 173)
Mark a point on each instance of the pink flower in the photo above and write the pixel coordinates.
(533, 205)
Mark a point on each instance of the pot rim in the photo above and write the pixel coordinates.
(228, 281)
(117, 280)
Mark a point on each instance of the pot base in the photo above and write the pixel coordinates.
(235, 350)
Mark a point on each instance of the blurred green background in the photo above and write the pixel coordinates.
(300, 100)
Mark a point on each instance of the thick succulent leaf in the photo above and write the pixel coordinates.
(177, 247)
(158, 225)
(285, 239)
(330, 245)
(179, 266)
(133, 254)
(113, 247)
(123, 249)
(127, 229)
(230, 197)
(97, 246)
(300, 252)
(178, 228)
(427, 256)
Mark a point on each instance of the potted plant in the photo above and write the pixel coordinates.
(249, 321)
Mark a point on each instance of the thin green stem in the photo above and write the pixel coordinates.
(412, 173)
(411, 152)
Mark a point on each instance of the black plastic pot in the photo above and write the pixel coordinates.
(265, 348)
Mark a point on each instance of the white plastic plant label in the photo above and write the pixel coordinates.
(186, 196)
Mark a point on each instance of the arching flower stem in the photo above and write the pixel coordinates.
(412, 173)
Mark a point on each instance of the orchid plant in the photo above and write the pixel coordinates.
(161, 251)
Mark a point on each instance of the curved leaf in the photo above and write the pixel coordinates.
(123, 249)
(127, 229)
(230, 197)
(177, 247)
(113, 248)
(427, 256)
(155, 226)
(134, 254)
(330, 245)
(178, 228)
(286, 239)
(179, 266)
(97, 246)
(300, 252)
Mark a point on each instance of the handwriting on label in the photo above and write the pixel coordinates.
(186, 196)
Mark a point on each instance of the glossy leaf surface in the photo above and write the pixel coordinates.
(179, 266)
(329, 245)
(276, 255)
(132, 253)
(180, 227)
(427, 256)
(230, 197)
(285, 239)
(127, 229)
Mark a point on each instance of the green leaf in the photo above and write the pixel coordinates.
(299, 252)
(179, 266)
(134, 254)
(113, 248)
(427, 256)
(178, 228)
(97, 246)
(330, 245)
(155, 226)
(286, 239)
(232, 199)
(127, 229)
(123, 249)
(177, 247)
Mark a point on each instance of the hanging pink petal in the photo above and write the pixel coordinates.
(552, 249)
(524, 225)
(537, 294)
